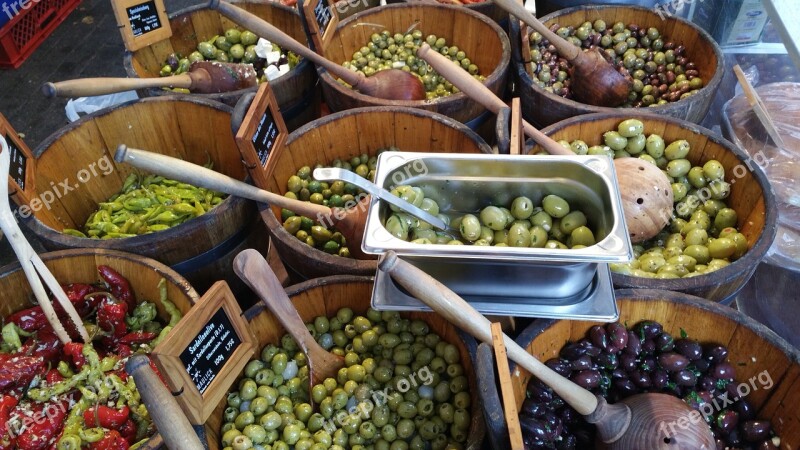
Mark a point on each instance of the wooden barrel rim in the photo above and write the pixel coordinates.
(488, 8)
(710, 86)
(477, 426)
(303, 65)
(540, 326)
(493, 77)
(734, 270)
(351, 265)
(206, 220)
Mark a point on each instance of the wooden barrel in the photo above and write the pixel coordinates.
(324, 296)
(296, 92)
(488, 8)
(751, 197)
(753, 349)
(343, 135)
(478, 36)
(80, 266)
(542, 108)
(347, 8)
(81, 156)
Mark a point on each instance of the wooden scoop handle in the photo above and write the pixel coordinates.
(565, 48)
(172, 424)
(193, 174)
(266, 30)
(457, 311)
(483, 95)
(254, 270)
(87, 87)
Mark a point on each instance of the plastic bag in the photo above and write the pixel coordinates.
(88, 105)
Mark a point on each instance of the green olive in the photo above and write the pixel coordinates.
(521, 208)
(630, 128)
(713, 170)
(555, 206)
(655, 146)
(677, 149)
(493, 217)
(614, 140)
(470, 227)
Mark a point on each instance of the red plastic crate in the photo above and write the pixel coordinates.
(28, 29)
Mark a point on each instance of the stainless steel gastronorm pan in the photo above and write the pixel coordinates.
(462, 183)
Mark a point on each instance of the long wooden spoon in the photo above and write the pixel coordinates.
(349, 222)
(595, 81)
(639, 422)
(647, 208)
(253, 269)
(32, 264)
(390, 84)
(204, 77)
(172, 424)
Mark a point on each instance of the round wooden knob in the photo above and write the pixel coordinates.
(647, 195)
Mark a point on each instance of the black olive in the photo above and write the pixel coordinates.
(767, 445)
(684, 378)
(617, 335)
(539, 393)
(672, 361)
(533, 408)
(608, 361)
(723, 371)
(625, 387)
(648, 347)
(533, 429)
(559, 366)
(634, 345)
(640, 378)
(701, 365)
(591, 349)
(727, 421)
(572, 351)
(745, 409)
(659, 378)
(649, 329)
(598, 336)
(587, 379)
(582, 363)
(715, 352)
(756, 430)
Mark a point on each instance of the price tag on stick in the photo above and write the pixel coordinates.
(141, 22)
(322, 20)
(203, 355)
(262, 133)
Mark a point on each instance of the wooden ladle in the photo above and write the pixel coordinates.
(639, 422)
(390, 84)
(349, 222)
(254, 270)
(595, 81)
(203, 77)
(647, 206)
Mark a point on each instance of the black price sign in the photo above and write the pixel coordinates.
(209, 351)
(323, 15)
(265, 136)
(205, 352)
(143, 18)
(19, 163)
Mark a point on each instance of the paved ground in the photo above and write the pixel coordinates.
(86, 44)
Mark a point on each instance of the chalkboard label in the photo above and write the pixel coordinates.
(143, 18)
(206, 351)
(210, 350)
(262, 136)
(19, 163)
(265, 136)
(322, 13)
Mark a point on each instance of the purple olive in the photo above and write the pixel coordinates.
(172, 61)
(608, 361)
(659, 378)
(745, 410)
(533, 408)
(572, 351)
(568, 415)
(767, 445)
(756, 430)
(648, 364)
(664, 342)
(597, 334)
(618, 373)
(587, 379)
(539, 393)
(689, 348)
(591, 349)
(701, 365)
(640, 378)
(672, 361)
(582, 363)
(559, 366)
(707, 383)
(734, 438)
(727, 421)
(715, 352)
(553, 425)
(723, 371)
(696, 399)
(617, 335)
(648, 346)
(684, 377)
(625, 387)
(627, 362)
(634, 346)
(649, 329)
(534, 429)
(567, 442)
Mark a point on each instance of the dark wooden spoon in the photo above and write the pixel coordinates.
(595, 81)
(390, 84)
(254, 270)
(350, 222)
(639, 422)
(647, 206)
(203, 77)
